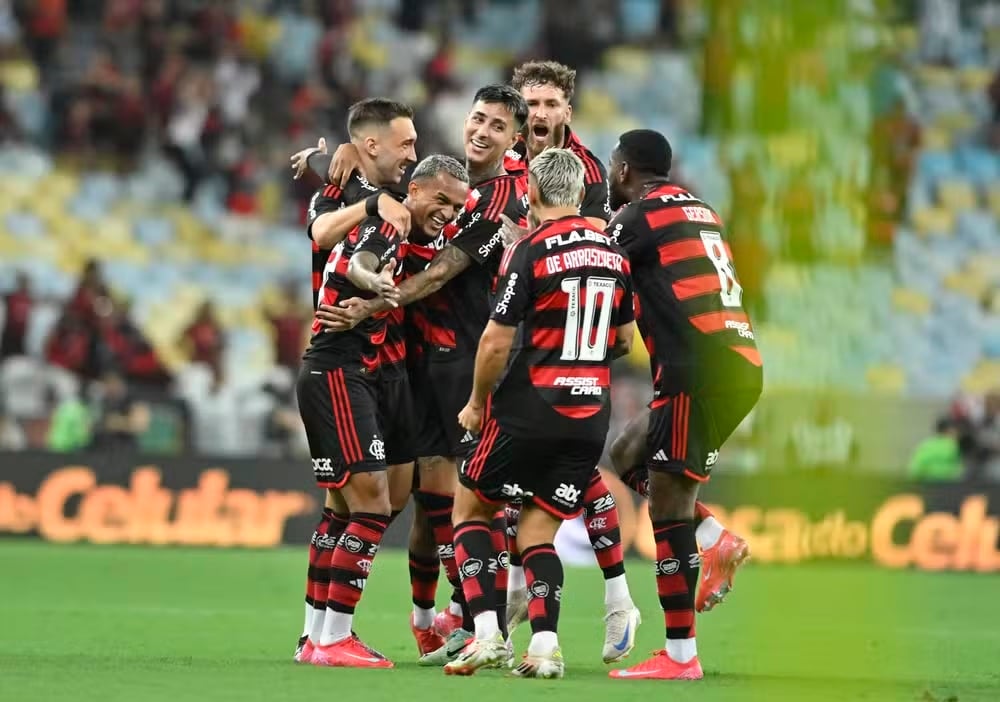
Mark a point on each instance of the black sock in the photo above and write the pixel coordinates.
(544, 572)
(677, 563)
(474, 554)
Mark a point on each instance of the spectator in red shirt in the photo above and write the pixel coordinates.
(17, 304)
(91, 289)
(70, 345)
(205, 339)
(289, 325)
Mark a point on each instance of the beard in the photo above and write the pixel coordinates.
(617, 197)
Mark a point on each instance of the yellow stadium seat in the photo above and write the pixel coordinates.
(912, 301)
(975, 78)
(934, 221)
(19, 75)
(957, 195)
(936, 139)
(967, 283)
(886, 378)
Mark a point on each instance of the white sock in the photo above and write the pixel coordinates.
(307, 627)
(336, 627)
(681, 650)
(487, 626)
(708, 533)
(544, 643)
(423, 618)
(318, 618)
(616, 594)
(515, 579)
(455, 608)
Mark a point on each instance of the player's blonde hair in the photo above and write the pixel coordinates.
(558, 176)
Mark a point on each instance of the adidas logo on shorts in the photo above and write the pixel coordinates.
(661, 455)
(468, 437)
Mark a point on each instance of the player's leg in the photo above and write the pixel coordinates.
(317, 414)
(359, 474)
(517, 587)
(425, 568)
(476, 504)
(621, 616)
(723, 551)
(679, 431)
(556, 483)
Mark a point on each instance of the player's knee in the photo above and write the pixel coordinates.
(369, 492)
(438, 474)
(536, 527)
(468, 507)
(622, 455)
(671, 496)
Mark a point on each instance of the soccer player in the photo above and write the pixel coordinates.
(548, 87)
(337, 394)
(565, 289)
(384, 134)
(707, 373)
(454, 307)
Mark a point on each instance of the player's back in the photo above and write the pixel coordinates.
(688, 297)
(569, 286)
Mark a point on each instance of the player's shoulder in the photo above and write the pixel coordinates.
(494, 197)
(593, 168)
(375, 226)
(358, 188)
(515, 159)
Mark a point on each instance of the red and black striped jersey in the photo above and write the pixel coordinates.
(331, 198)
(569, 289)
(360, 344)
(595, 175)
(688, 298)
(452, 319)
(399, 344)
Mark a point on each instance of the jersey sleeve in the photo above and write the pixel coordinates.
(478, 234)
(329, 198)
(514, 287)
(376, 236)
(595, 196)
(626, 310)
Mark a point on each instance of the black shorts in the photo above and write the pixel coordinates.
(396, 416)
(339, 409)
(441, 389)
(552, 473)
(686, 432)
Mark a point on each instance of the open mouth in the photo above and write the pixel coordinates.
(479, 144)
(437, 222)
(540, 132)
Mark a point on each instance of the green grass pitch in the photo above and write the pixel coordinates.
(87, 623)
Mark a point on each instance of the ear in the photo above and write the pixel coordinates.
(412, 188)
(371, 146)
(569, 114)
(533, 197)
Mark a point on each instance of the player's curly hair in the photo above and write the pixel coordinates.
(546, 73)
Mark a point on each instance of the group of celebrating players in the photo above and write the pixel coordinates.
(465, 326)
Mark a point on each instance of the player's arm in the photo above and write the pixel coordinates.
(365, 269)
(332, 225)
(625, 331)
(595, 205)
(498, 337)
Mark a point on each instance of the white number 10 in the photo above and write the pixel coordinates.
(599, 299)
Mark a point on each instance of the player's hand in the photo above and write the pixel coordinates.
(346, 160)
(384, 285)
(510, 232)
(300, 159)
(395, 213)
(471, 418)
(347, 315)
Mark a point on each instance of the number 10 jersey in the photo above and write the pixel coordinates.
(568, 288)
(689, 303)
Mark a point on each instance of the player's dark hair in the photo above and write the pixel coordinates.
(646, 151)
(546, 73)
(434, 164)
(499, 94)
(376, 110)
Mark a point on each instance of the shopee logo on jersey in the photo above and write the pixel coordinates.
(487, 248)
(503, 304)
